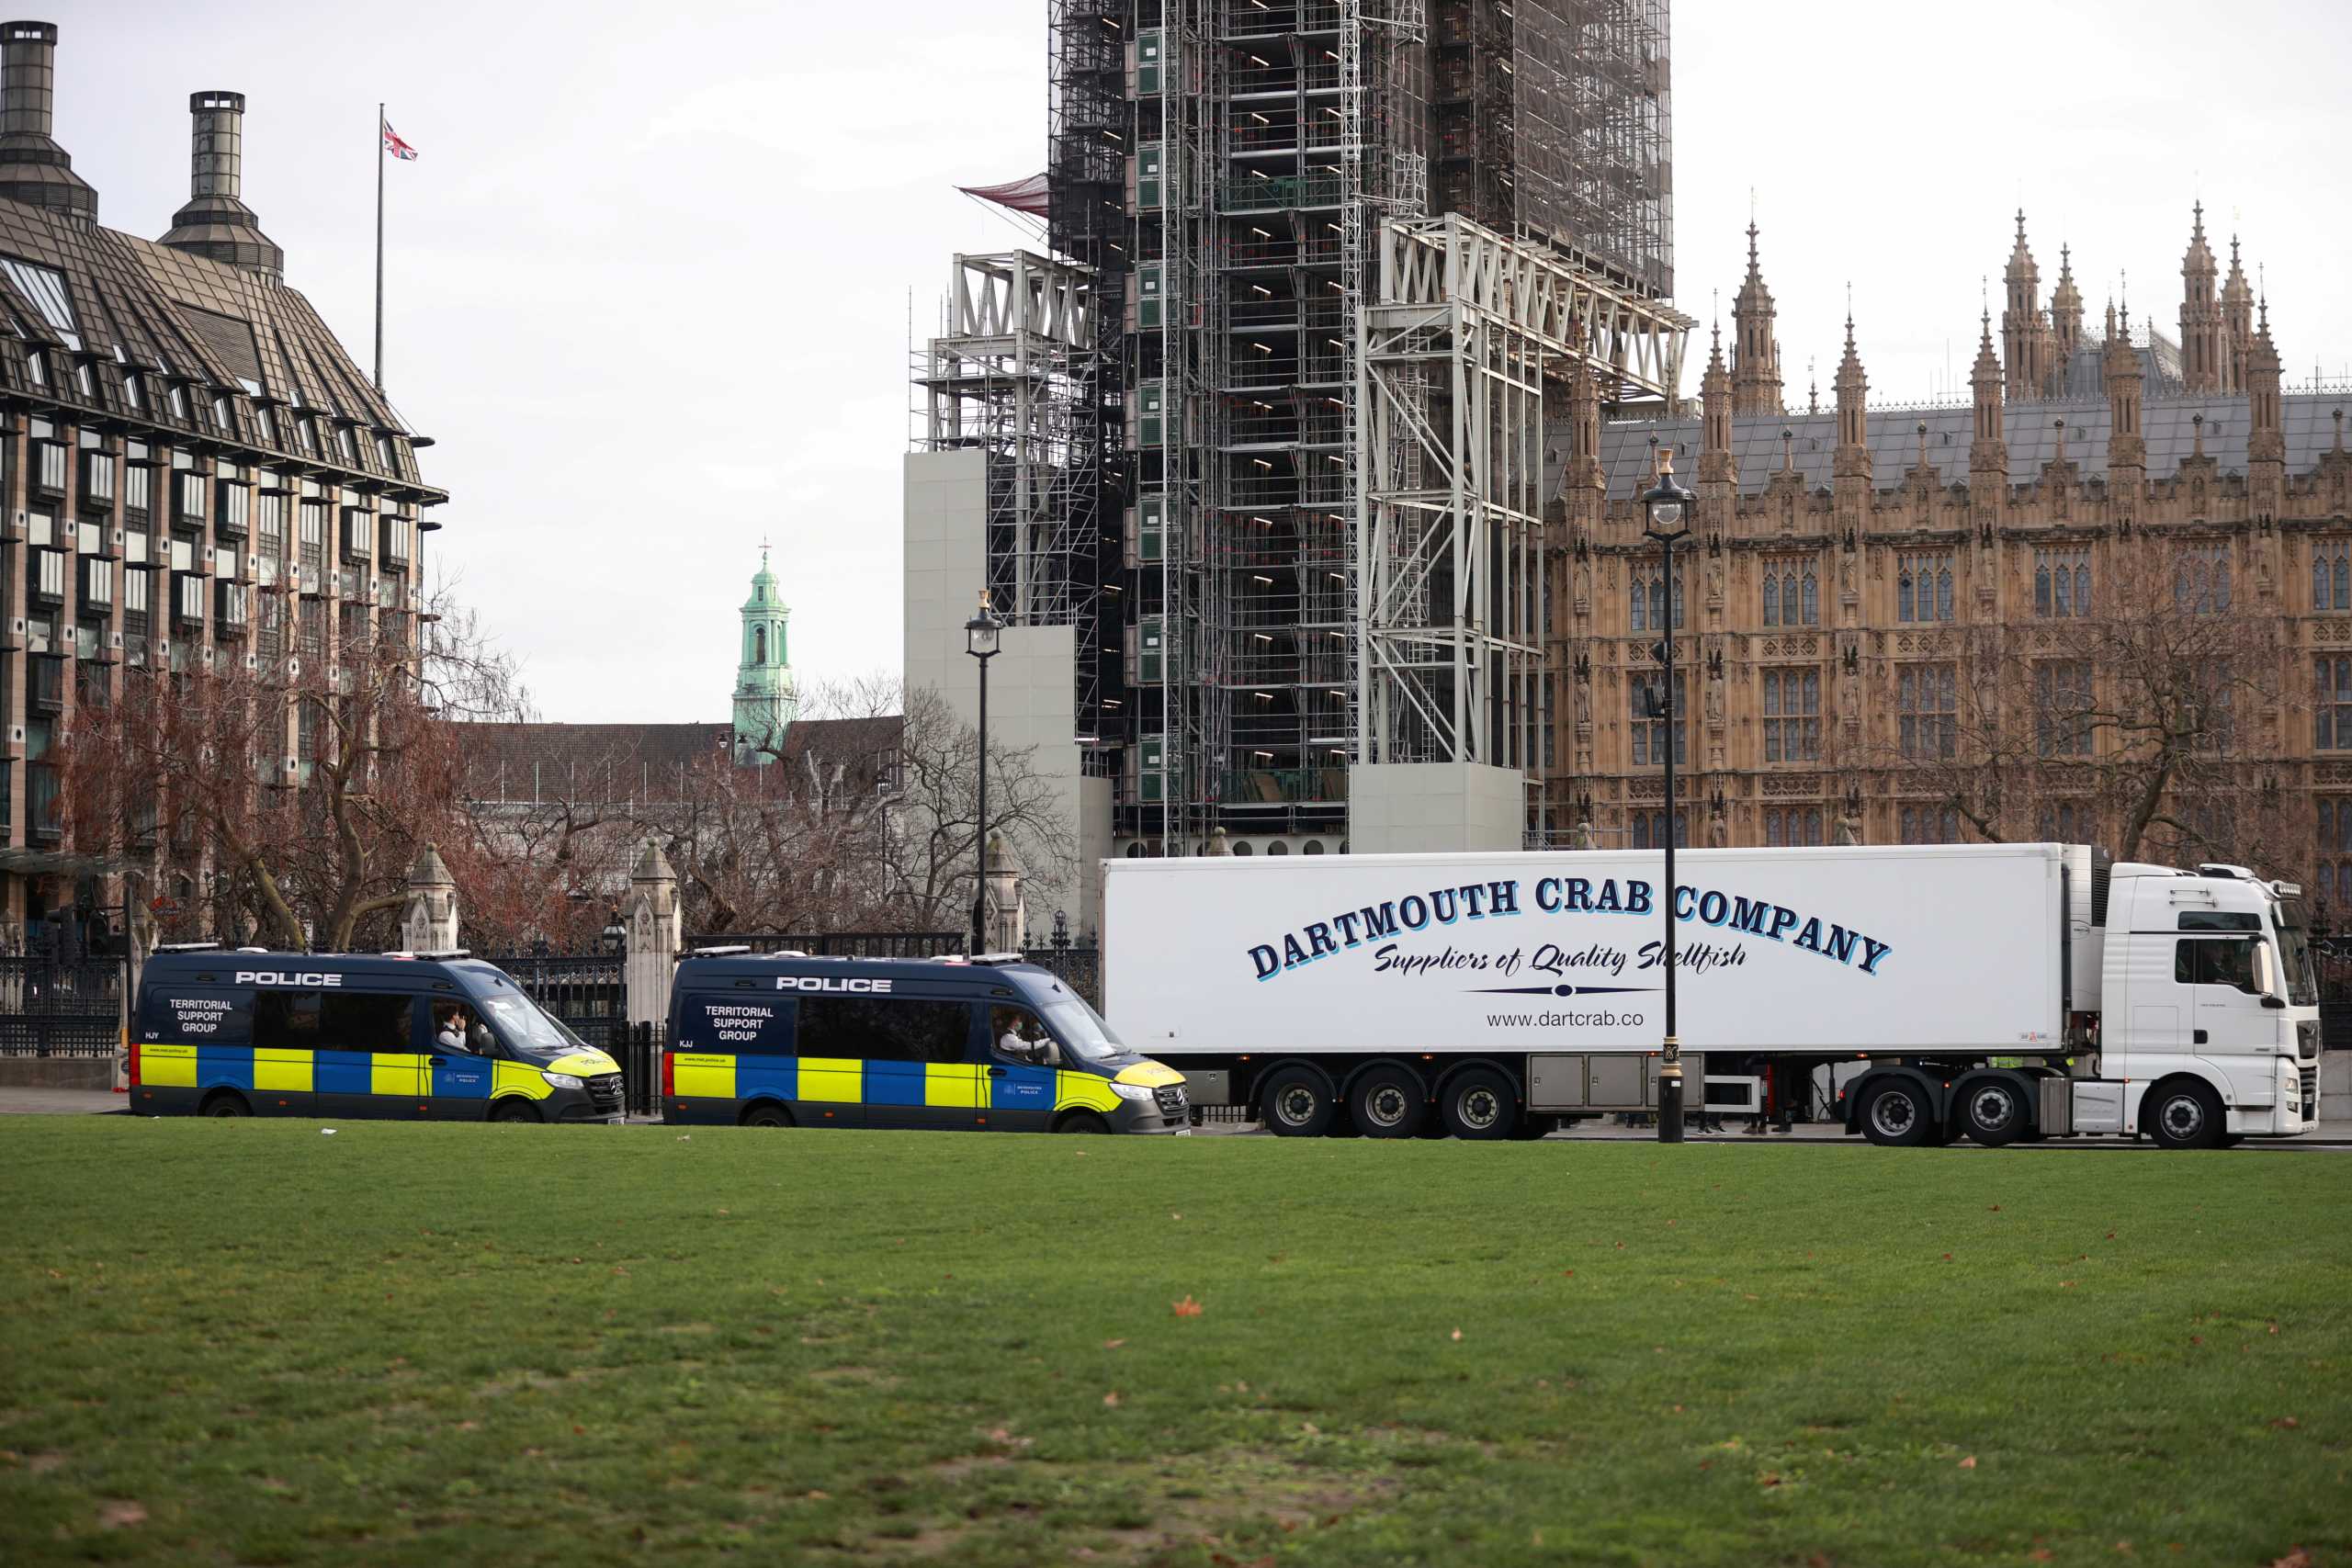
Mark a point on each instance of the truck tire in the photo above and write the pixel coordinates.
(767, 1113)
(2183, 1113)
(226, 1102)
(1479, 1103)
(1992, 1113)
(1899, 1114)
(1297, 1103)
(1388, 1102)
(1081, 1122)
(514, 1108)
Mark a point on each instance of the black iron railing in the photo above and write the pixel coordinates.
(59, 1009)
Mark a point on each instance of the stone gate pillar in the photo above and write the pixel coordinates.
(655, 923)
(429, 924)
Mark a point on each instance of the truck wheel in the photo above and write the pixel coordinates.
(1898, 1114)
(1388, 1102)
(767, 1113)
(514, 1108)
(1994, 1114)
(1298, 1104)
(1480, 1103)
(2182, 1114)
(227, 1102)
(1081, 1122)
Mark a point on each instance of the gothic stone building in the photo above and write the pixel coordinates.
(193, 474)
(1841, 553)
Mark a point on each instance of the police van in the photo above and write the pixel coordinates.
(990, 1044)
(436, 1037)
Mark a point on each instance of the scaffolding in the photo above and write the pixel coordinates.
(1470, 335)
(1002, 379)
(1228, 170)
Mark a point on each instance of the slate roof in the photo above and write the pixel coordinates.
(137, 306)
(621, 763)
(2028, 428)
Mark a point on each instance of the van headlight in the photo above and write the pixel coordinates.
(1131, 1091)
(563, 1080)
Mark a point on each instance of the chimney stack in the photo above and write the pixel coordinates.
(214, 223)
(33, 168)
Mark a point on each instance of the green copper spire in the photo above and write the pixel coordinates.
(765, 702)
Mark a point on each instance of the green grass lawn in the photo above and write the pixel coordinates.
(247, 1342)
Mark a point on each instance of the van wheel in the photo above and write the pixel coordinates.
(514, 1108)
(1081, 1122)
(767, 1114)
(226, 1102)
(1388, 1102)
(1480, 1103)
(2182, 1114)
(1299, 1103)
(1994, 1113)
(1898, 1114)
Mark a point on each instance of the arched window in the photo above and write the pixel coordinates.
(758, 645)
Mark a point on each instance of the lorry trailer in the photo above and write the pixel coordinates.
(1996, 992)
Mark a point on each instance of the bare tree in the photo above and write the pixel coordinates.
(2136, 710)
(306, 785)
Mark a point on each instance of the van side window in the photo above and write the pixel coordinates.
(288, 1021)
(876, 1029)
(358, 1022)
(2214, 963)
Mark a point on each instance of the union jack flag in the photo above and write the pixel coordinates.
(395, 146)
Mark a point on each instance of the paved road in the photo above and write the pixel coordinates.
(2334, 1135)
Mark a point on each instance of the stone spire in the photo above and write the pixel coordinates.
(766, 700)
(2265, 442)
(2237, 324)
(1756, 352)
(1988, 454)
(2127, 446)
(2065, 318)
(2024, 335)
(2201, 312)
(1852, 458)
(1715, 403)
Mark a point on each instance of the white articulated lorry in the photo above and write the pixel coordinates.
(1996, 992)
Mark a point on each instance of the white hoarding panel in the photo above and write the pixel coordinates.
(1844, 949)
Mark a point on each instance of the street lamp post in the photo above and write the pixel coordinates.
(1668, 507)
(980, 635)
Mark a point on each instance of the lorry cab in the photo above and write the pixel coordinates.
(2212, 1005)
(981, 1045)
(398, 1036)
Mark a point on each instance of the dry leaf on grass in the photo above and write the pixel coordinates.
(1188, 1307)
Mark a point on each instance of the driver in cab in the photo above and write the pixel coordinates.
(456, 1035)
(1020, 1037)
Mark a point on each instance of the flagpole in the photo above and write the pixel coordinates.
(379, 247)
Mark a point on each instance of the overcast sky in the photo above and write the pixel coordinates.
(648, 279)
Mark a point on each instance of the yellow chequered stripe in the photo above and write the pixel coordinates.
(169, 1066)
(958, 1085)
(513, 1077)
(396, 1075)
(839, 1079)
(282, 1071)
(701, 1076)
(1084, 1091)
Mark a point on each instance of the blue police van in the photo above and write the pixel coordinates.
(395, 1035)
(980, 1045)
